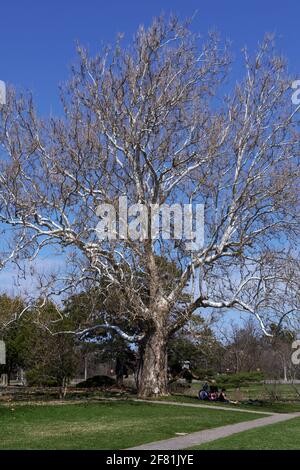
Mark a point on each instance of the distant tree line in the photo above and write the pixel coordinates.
(197, 352)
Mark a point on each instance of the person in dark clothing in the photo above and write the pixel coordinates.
(222, 396)
(203, 395)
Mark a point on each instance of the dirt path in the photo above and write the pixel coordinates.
(201, 437)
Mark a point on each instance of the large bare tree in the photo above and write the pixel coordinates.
(148, 121)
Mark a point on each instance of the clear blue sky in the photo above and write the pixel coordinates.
(37, 38)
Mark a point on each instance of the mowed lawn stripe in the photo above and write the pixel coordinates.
(107, 425)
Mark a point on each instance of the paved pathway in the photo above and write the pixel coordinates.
(200, 437)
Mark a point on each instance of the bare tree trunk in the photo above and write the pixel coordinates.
(8, 376)
(63, 388)
(119, 370)
(285, 378)
(85, 367)
(153, 368)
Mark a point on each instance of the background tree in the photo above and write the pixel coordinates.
(281, 345)
(198, 346)
(86, 311)
(244, 348)
(51, 359)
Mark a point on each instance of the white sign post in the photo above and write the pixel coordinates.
(2, 93)
(2, 353)
(3, 377)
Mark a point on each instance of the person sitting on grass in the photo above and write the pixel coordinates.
(213, 395)
(203, 395)
(222, 396)
(204, 392)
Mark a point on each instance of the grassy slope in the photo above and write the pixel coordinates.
(280, 436)
(257, 391)
(276, 407)
(288, 402)
(114, 425)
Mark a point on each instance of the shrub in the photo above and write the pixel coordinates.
(97, 381)
(239, 380)
(36, 378)
(272, 393)
(179, 387)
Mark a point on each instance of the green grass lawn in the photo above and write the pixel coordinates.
(256, 391)
(288, 401)
(114, 425)
(269, 407)
(280, 436)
